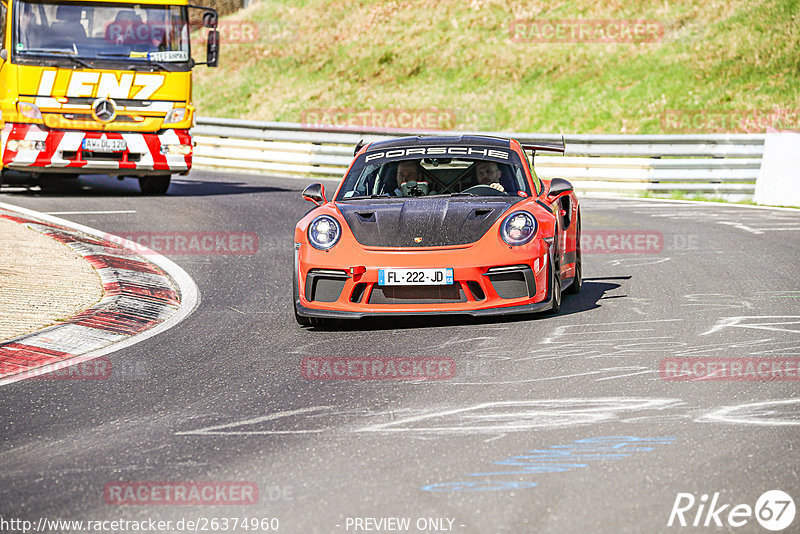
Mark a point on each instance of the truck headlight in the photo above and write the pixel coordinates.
(175, 115)
(324, 232)
(518, 228)
(176, 150)
(16, 145)
(31, 111)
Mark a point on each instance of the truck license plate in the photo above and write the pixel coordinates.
(104, 145)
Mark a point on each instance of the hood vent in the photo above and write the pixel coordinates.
(423, 222)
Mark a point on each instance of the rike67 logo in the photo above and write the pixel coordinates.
(774, 510)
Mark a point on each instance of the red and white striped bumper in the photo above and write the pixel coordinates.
(48, 149)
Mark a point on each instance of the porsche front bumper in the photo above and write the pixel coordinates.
(486, 282)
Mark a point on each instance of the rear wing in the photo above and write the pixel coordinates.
(546, 147)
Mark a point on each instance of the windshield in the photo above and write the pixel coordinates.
(431, 171)
(91, 31)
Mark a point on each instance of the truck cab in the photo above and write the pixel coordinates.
(99, 87)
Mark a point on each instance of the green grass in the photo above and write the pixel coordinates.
(457, 56)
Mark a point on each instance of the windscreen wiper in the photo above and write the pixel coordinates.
(158, 64)
(60, 52)
(361, 197)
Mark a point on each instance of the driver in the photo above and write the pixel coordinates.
(488, 173)
(409, 171)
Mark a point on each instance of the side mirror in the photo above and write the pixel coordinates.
(212, 49)
(4, 54)
(559, 186)
(315, 193)
(210, 19)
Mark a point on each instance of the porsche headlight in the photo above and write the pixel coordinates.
(324, 232)
(518, 228)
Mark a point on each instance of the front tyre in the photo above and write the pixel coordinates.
(317, 322)
(154, 185)
(301, 320)
(555, 278)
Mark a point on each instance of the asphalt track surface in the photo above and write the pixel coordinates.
(220, 397)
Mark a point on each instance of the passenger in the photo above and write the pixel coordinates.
(124, 28)
(30, 31)
(488, 173)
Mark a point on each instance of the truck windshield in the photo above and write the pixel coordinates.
(81, 32)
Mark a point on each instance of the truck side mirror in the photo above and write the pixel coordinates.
(212, 48)
(210, 19)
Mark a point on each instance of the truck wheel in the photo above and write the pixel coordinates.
(53, 183)
(154, 185)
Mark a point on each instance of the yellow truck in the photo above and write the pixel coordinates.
(99, 87)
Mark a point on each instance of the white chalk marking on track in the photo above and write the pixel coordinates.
(756, 413)
(775, 323)
(110, 212)
(224, 430)
(513, 416)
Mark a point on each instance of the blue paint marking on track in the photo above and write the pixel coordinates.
(556, 459)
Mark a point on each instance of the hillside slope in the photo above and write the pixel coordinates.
(716, 64)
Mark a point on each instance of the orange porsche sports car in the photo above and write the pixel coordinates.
(438, 225)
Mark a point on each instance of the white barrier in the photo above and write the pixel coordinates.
(778, 183)
(717, 165)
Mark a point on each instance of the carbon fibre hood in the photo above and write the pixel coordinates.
(422, 222)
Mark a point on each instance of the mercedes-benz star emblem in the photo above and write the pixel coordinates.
(104, 110)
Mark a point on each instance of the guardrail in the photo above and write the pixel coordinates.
(710, 164)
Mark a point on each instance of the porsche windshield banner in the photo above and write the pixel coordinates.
(491, 154)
